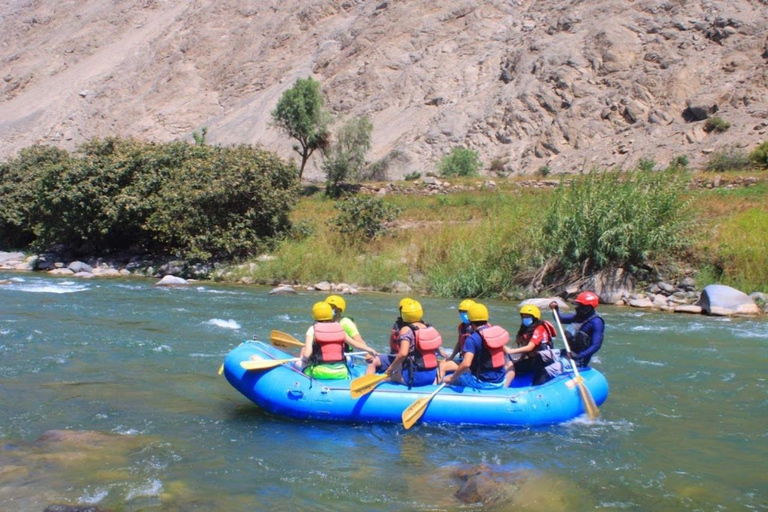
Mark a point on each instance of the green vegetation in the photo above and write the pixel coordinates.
(614, 219)
(412, 176)
(716, 124)
(364, 218)
(301, 115)
(200, 202)
(460, 162)
(345, 159)
(759, 155)
(728, 159)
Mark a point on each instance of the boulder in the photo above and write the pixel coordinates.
(399, 287)
(83, 275)
(171, 281)
(282, 290)
(721, 300)
(666, 287)
(641, 303)
(688, 308)
(107, 272)
(612, 285)
(543, 303)
(5, 257)
(79, 266)
(323, 286)
(60, 272)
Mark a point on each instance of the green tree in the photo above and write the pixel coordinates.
(346, 157)
(461, 162)
(300, 114)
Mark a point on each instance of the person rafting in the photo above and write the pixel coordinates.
(322, 356)
(464, 329)
(585, 334)
(339, 305)
(534, 344)
(415, 362)
(483, 366)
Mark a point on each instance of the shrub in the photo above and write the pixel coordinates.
(716, 124)
(728, 159)
(646, 165)
(197, 201)
(679, 162)
(364, 217)
(614, 219)
(412, 176)
(346, 157)
(460, 162)
(543, 171)
(741, 250)
(759, 155)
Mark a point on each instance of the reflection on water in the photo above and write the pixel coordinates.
(130, 372)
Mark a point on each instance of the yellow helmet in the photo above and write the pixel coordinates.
(338, 301)
(404, 301)
(530, 309)
(322, 311)
(478, 313)
(412, 312)
(465, 304)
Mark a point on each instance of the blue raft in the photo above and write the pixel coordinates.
(286, 391)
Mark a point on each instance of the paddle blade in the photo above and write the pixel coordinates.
(414, 411)
(265, 364)
(284, 340)
(589, 403)
(221, 369)
(365, 384)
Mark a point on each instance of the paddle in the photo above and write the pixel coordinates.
(365, 384)
(414, 411)
(284, 340)
(589, 403)
(266, 364)
(221, 369)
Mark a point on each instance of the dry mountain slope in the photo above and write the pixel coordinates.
(558, 83)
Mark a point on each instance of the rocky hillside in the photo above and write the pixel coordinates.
(566, 84)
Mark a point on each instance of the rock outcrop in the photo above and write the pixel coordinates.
(566, 85)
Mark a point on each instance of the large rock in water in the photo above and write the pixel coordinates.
(721, 300)
(612, 285)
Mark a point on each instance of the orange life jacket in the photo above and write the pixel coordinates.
(493, 357)
(328, 346)
(524, 336)
(424, 351)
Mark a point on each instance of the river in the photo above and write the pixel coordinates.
(131, 371)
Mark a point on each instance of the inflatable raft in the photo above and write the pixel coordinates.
(286, 391)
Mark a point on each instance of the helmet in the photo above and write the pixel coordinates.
(338, 301)
(530, 309)
(587, 299)
(404, 301)
(322, 311)
(412, 311)
(465, 304)
(478, 313)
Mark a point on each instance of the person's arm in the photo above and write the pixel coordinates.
(359, 344)
(463, 367)
(306, 350)
(521, 350)
(566, 318)
(402, 354)
(455, 352)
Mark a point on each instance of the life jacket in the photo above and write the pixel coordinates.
(580, 341)
(394, 346)
(328, 346)
(423, 353)
(493, 357)
(465, 331)
(524, 335)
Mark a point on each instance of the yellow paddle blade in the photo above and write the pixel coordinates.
(221, 369)
(414, 411)
(265, 364)
(284, 340)
(589, 403)
(365, 384)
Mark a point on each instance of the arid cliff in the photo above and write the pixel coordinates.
(567, 84)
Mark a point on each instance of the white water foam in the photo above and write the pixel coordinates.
(287, 319)
(224, 324)
(151, 488)
(162, 348)
(650, 363)
(65, 287)
(96, 497)
(650, 328)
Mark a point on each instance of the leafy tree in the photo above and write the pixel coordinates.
(346, 157)
(461, 162)
(364, 217)
(300, 114)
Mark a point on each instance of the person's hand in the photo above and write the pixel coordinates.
(448, 379)
(553, 305)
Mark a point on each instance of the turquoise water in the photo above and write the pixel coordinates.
(134, 368)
